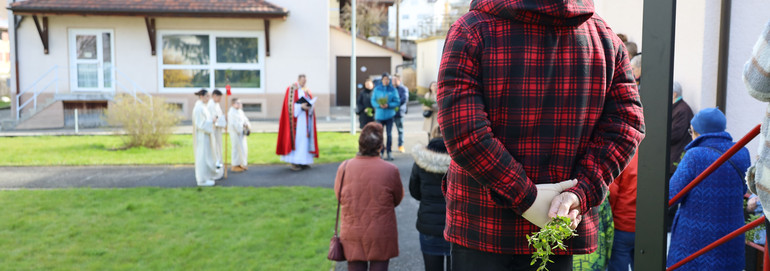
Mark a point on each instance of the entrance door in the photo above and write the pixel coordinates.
(367, 66)
(91, 60)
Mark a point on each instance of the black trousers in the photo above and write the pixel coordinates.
(466, 259)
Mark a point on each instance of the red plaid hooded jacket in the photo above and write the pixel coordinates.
(532, 92)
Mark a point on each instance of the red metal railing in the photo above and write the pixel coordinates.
(722, 159)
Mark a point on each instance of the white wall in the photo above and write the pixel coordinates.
(692, 50)
(300, 45)
(428, 60)
(623, 16)
(749, 18)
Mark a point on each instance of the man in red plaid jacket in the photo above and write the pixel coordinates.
(531, 93)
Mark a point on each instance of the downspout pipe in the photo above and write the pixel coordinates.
(724, 53)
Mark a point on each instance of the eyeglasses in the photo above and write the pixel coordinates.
(689, 131)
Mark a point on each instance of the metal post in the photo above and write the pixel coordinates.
(398, 29)
(354, 35)
(652, 194)
(76, 121)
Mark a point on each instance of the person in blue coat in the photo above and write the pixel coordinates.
(385, 99)
(714, 208)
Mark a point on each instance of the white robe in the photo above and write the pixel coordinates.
(303, 140)
(203, 127)
(237, 119)
(221, 124)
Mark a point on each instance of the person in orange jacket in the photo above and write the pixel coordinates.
(623, 204)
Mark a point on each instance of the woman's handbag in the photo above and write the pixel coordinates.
(336, 253)
(427, 113)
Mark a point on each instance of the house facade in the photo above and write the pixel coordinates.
(82, 53)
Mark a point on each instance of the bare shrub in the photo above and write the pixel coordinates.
(147, 121)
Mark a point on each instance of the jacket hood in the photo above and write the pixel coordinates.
(431, 161)
(541, 12)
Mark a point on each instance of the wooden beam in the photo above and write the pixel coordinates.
(152, 32)
(42, 31)
(267, 37)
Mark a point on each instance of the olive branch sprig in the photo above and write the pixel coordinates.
(550, 237)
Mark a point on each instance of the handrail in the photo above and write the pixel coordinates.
(133, 84)
(719, 242)
(722, 159)
(55, 81)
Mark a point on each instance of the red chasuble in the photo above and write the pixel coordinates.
(287, 127)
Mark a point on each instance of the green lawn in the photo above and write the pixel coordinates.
(100, 150)
(282, 228)
(4, 105)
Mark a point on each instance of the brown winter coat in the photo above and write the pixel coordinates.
(371, 191)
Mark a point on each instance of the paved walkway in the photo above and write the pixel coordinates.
(321, 175)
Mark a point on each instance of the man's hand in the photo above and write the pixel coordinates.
(566, 204)
(538, 213)
(384, 106)
(306, 107)
(752, 204)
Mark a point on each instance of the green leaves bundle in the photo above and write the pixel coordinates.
(426, 102)
(550, 237)
(382, 101)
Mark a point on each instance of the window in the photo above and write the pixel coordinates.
(252, 107)
(193, 60)
(91, 58)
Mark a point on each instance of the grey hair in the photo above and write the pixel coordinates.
(677, 88)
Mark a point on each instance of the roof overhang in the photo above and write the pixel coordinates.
(151, 8)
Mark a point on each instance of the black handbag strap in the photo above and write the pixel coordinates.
(342, 180)
(740, 173)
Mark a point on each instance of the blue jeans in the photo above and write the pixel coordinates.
(400, 128)
(388, 124)
(622, 251)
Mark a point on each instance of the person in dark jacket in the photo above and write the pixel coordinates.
(364, 107)
(714, 208)
(431, 163)
(681, 115)
(532, 135)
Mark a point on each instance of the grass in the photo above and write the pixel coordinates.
(101, 150)
(282, 228)
(4, 105)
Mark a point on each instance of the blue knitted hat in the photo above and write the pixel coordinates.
(709, 120)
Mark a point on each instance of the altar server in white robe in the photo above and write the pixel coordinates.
(239, 128)
(219, 125)
(206, 168)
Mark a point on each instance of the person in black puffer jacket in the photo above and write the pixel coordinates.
(431, 163)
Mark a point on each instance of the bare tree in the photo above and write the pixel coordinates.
(369, 18)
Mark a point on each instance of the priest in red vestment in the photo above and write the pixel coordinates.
(297, 136)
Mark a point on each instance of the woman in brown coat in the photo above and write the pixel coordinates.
(370, 193)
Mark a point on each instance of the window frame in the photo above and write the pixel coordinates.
(73, 62)
(213, 65)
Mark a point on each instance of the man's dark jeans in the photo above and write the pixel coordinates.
(399, 121)
(466, 259)
(388, 124)
(622, 251)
